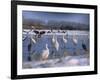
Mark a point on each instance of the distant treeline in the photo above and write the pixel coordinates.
(63, 25)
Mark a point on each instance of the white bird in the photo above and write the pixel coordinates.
(75, 41)
(45, 53)
(56, 44)
(65, 40)
(53, 39)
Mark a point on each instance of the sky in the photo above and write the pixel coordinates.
(46, 16)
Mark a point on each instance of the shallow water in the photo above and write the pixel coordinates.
(69, 48)
(63, 62)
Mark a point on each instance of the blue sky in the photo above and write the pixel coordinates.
(46, 16)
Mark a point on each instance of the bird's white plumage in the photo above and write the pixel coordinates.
(45, 53)
(65, 40)
(53, 39)
(56, 44)
(75, 40)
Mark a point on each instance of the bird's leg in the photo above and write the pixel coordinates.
(29, 50)
(54, 53)
(29, 57)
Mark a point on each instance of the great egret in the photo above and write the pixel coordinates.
(56, 44)
(65, 40)
(45, 53)
(30, 44)
(65, 51)
(75, 41)
(29, 49)
(53, 39)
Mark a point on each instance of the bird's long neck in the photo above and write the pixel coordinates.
(63, 36)
(56, 40)
(46, 46)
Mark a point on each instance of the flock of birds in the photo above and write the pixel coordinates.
(45, 53)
